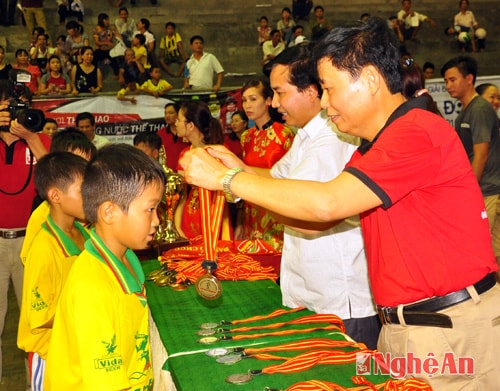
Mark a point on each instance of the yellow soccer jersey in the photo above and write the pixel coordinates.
(49, 259)
(35, 222)
(160, 87)
(100, 339)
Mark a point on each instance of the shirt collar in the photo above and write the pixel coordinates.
(68, 247)
(413, 103)
(314, 126)
(128, 283)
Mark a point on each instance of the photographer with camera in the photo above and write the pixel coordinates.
(20, 146)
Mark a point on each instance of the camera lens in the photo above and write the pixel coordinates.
(31, 119)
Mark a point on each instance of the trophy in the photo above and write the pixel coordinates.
(174, 188)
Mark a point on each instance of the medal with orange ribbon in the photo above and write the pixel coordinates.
(208, 286)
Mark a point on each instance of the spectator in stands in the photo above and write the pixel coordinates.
(172, 50)
(50, 127)
(129, 92)
(319, 25)
(394, 24)
(103, 39)
(272, 48)
(8, 12)
(34, 36)
(264, 30)
(156, 86)
(143, 28)
(66, 8)
(410, 21)
(297, 35)
(428, 69)
(75, 40)
(62, 51)
(55, 82)
(301, 9)
(85, 76)
(40, 53)
(85, 122)
(130, 68)
(4, 68)
(172, 143)
(125, 26)
(465, 22)
(23, 62)
(140, 51)
(201, 67)
(285, 25)
(364, 17)
(33, 14)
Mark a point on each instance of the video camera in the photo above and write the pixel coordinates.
(18, 108)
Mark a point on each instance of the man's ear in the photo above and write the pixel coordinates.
(372, 78)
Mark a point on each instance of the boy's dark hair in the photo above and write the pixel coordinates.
(72, 24)
(303, 71)
(58, 169)
(265, 18)
(465, 64)
(171, 24)
(39, 30)
(153, 67)
(151, 139)
(54, 56)
(350, 48)
(119, 173)
(195, 37)
(141, 38)
(319, 7)
(273, 31)
(296, 27)
(71, 140)
(85, 115)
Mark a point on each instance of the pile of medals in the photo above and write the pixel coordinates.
(167, 277)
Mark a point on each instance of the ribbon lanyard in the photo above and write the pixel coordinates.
(207, 285)
(211, 219)
(273, 314)
(306, 344)
(389, 385)
(315, 318)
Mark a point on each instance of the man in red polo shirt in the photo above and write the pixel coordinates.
(19, 149)
(426, 232)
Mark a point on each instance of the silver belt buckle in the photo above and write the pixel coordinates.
(9, 234)
(384, 314)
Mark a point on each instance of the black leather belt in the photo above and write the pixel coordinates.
(424, 313)
(12, 233)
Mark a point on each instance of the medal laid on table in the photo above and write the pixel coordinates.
(208, 286)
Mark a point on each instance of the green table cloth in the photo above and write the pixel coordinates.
(178, 315)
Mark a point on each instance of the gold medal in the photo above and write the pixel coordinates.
(208, 340)
(208, 286)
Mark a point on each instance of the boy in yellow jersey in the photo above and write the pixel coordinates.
(156, 86)
(100, 338)
(58, 178)
(70, 140)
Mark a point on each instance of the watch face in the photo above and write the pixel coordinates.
(208, 287)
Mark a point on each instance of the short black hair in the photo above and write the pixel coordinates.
(71, 139)
(58, 169)
(303, 71)
(195, 37)
(171, 24)
(85, 115)
(466, 65)
(145, 22)
(351, 47)
(151, 139)
(141, 38)
(119, 173)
